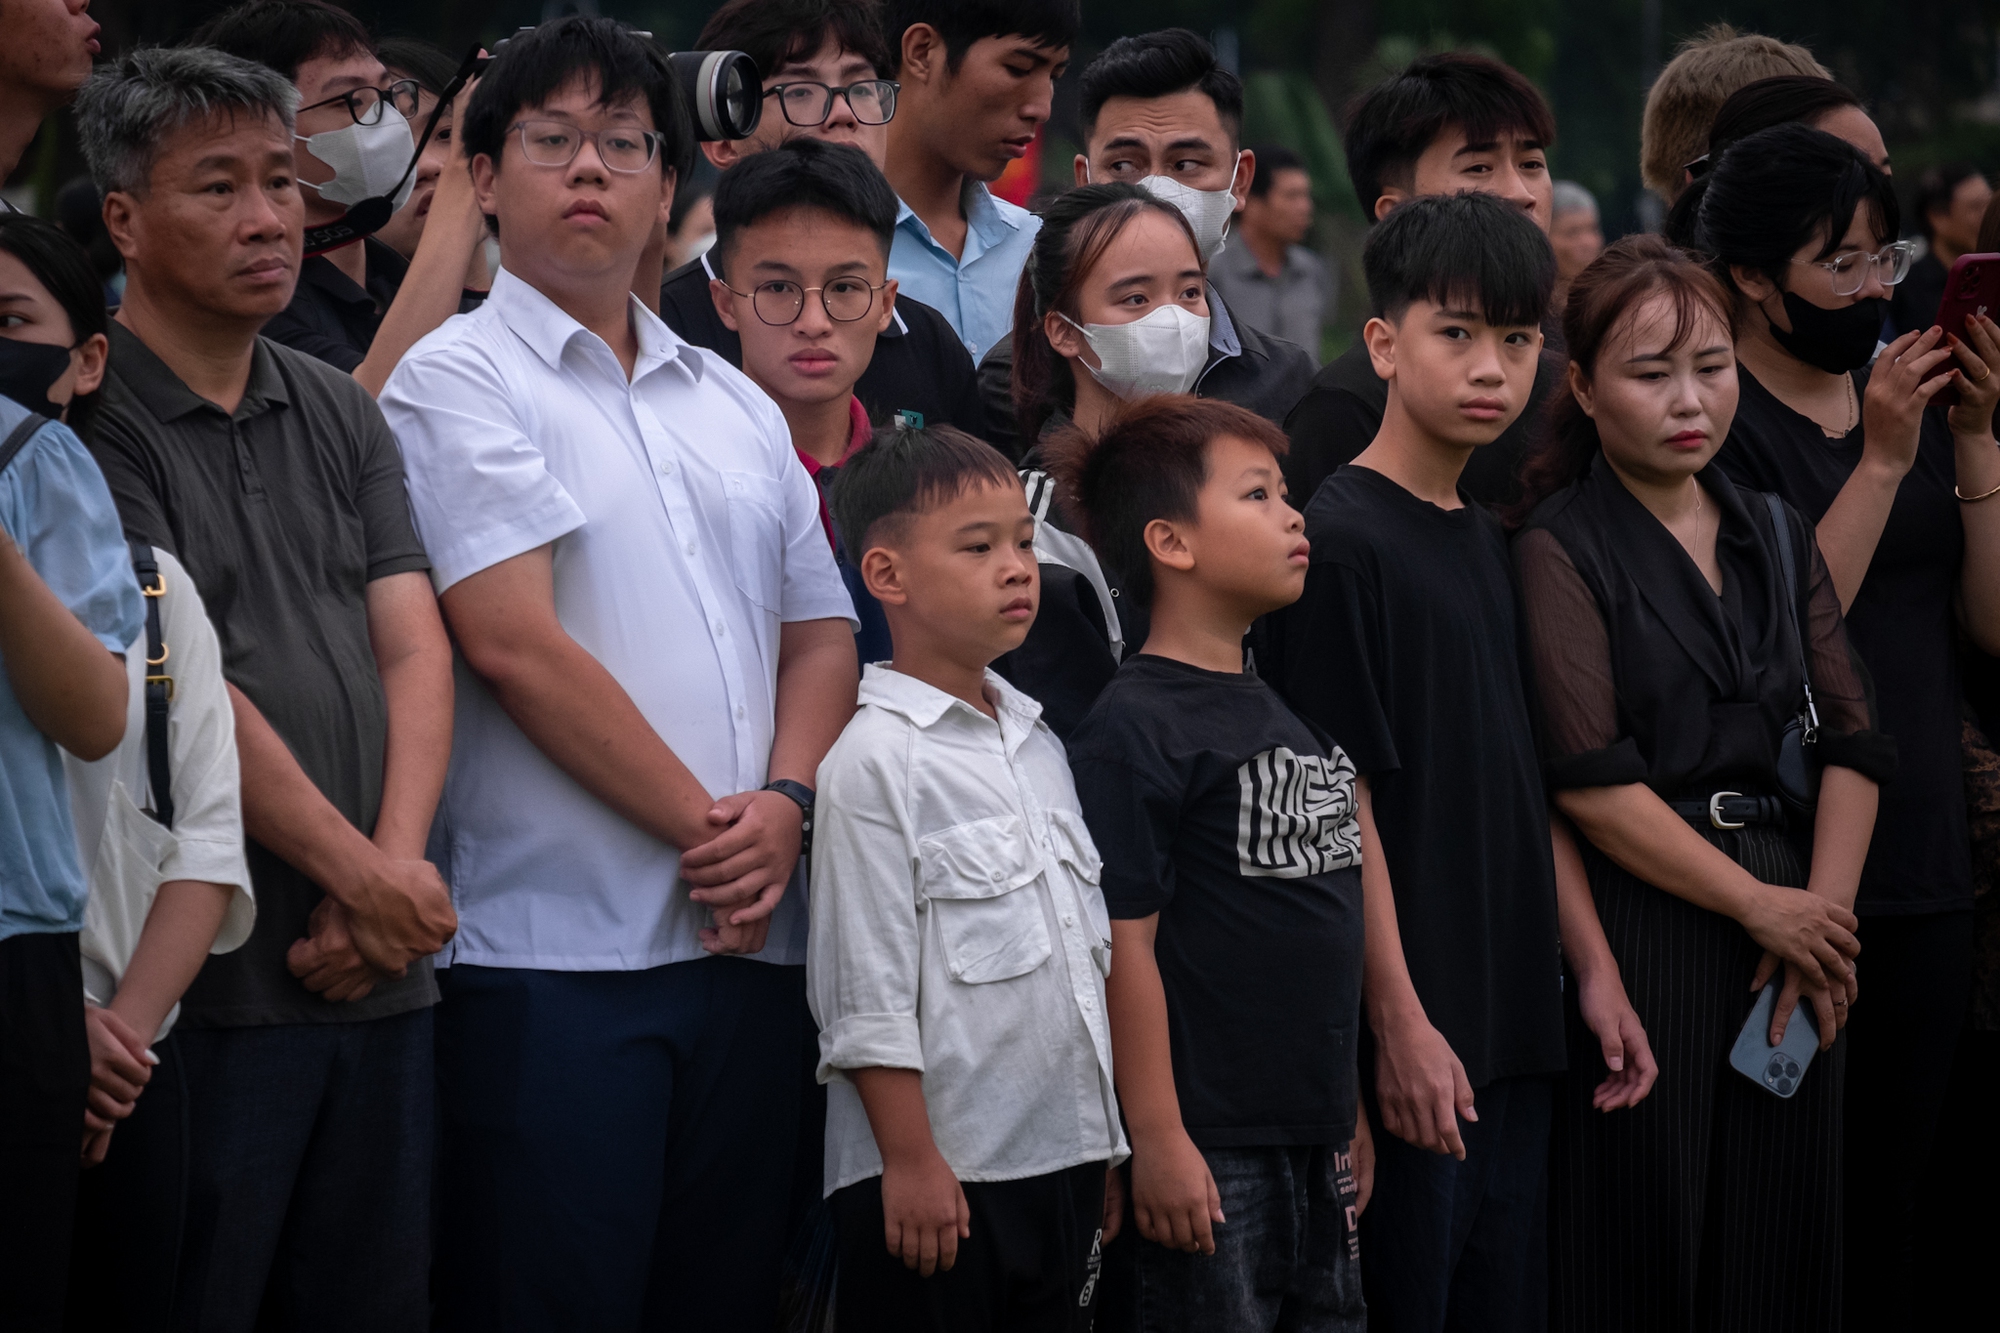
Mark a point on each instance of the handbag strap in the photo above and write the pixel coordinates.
(1783, 529)
(18, 437)
(159, 684)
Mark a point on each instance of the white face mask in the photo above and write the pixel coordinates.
(367, 160)
(1165, 352)
(1207, 211)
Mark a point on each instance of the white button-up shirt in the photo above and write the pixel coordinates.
(958, 929)
(974, 289)
(685, 534)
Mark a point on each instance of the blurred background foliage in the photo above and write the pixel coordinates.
(1929, 69)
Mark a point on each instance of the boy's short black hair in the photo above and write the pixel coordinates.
(1469, 251)
(803, 172)
(1390, 125)
(905, 471)
(284, 34)
(1272, 159)
(432, 68)
(774, 32)
(1050, 23)
(1159, 64)
(1936, 189)
(535, 66)
(1149, 461)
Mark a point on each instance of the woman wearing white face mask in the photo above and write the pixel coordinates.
(1113, 305)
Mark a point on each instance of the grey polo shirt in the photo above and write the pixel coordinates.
(1293, 305)
(282, 513)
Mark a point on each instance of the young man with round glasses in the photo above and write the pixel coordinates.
(826, 76)
(360, 306)
(658, 653)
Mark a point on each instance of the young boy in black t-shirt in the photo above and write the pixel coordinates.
(1232, 844)
(1405, 646)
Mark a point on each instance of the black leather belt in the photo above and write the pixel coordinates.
(1730, 809)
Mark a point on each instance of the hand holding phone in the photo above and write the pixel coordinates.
(1780, 1069)
(1971, 289)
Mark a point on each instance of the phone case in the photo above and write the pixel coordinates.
(1778, 1069)
(1971, 288)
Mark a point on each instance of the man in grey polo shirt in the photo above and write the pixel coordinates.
(1273, 282)
(307, 1053)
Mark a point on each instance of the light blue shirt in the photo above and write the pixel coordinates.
(56, 508)
(974, 291)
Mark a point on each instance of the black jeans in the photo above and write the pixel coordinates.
(44, 1076)
(1031, 1264)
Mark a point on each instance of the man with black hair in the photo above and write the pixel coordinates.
(45, 59)
(1159, 111)
(1448, 123)
(658, 652)
(1404, 645)
(827, 75)
(358, 306)
(977, 85)
(1950, 204)
(1274, 282)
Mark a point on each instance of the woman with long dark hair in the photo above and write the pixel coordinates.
(1671, 651)
(1802, 230)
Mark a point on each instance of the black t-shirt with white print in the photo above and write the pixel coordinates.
(1216, 806)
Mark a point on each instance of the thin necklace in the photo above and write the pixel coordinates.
(1695, 540)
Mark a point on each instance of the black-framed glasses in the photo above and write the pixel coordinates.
(1889, 265)
(555, 143)
(873, 101)
(365, 104)
(779, 301)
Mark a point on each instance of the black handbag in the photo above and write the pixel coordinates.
(1798, 746)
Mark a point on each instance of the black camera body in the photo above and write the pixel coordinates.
(722, 90)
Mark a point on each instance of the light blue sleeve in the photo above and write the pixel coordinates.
(58, 510)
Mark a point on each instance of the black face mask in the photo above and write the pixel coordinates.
(1836, 341)
(29, 370)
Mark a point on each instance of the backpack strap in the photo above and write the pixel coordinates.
(159, 684)
(17, 438)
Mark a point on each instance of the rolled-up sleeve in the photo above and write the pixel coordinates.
(480, 490)
(864, 951)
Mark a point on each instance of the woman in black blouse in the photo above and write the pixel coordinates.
(1667, 666)
(1802, 231)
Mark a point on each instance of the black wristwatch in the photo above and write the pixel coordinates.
(804, 796)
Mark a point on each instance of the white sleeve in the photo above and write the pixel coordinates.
(480, 490)
(865, 944)
(812, 588)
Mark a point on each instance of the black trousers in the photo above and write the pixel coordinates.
(130, 1210)
(1031, 1264)
(1712, 1206)
(1916, 980)
(44, 1076)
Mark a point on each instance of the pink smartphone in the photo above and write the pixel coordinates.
(1971, 288)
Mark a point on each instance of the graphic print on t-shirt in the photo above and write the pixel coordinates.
(1295, 815)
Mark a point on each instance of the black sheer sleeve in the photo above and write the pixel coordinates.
(1571, 653)
(1842, 691)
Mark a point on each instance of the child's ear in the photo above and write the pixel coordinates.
(1379, 335)
(718, 292)
(883, 577)
(1167, 544)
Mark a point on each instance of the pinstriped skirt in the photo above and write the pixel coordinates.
(1712, 1205)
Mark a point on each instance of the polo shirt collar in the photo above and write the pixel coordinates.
(1222, 337)
(548, 329)
(167, 396)
(925, 704)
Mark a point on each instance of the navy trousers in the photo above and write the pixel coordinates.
(618, 1148)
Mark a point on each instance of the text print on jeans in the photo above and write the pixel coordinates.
(1295, 815)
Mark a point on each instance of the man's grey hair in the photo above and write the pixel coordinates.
(1572, 198)
(127, 109)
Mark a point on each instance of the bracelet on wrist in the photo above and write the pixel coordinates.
(1963, 498)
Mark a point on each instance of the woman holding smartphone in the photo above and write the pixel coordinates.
(1669, 658)
(1905, 497)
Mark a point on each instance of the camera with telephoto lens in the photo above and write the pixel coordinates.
(722, 90)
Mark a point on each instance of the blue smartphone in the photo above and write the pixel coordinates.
(1778, 1069)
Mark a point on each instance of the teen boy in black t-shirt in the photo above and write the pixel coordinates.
(1405, 646)
(1232, 844)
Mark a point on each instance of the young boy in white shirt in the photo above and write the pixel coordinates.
(959, 941)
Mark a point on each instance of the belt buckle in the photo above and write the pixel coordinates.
(1715, 810)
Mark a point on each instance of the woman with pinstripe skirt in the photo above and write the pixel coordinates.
(1668, 666)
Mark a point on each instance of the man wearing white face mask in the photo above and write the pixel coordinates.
(360, 306)
(1160, 112)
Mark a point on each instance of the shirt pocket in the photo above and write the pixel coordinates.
(978, 880)
(754, 508)
(1075, 849)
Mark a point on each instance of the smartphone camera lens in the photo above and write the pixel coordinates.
(1784, 1087)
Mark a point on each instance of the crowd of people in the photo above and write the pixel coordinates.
(915, 764)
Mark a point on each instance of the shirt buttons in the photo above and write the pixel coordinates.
(690, 548)
(739, 711)
(666, 467)
(1069, 920)
(719, 628)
